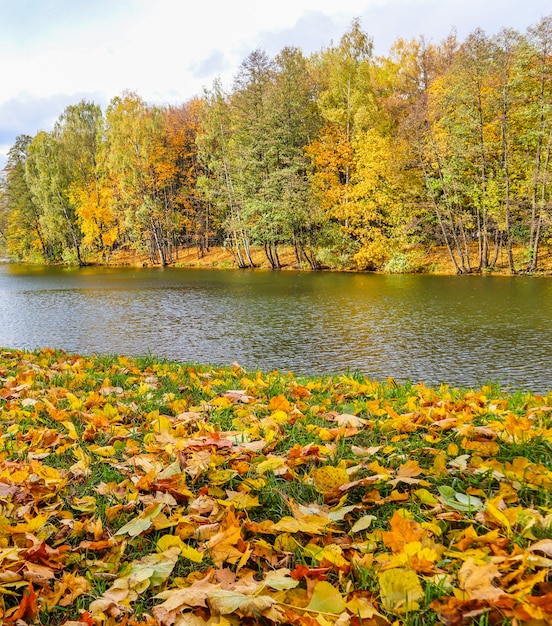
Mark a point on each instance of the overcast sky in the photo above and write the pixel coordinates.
(54, 53)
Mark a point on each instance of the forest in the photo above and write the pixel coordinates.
(346, 158)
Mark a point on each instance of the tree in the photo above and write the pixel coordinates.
(425, 73)
(218, 154)
(21, 228)
(196, 223)
(508, 44)
(291, 121)
(347, 105)
(79, 132)
(536, 62)
(142, 171)
(252, 133)
(49, 181)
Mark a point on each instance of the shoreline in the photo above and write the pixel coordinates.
(435, 261)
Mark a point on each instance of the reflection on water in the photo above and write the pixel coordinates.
(460, 330)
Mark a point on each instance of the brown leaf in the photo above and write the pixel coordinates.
(476, 580)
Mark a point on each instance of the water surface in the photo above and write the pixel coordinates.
(462, 330)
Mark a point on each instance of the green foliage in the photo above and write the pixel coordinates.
(403, 263)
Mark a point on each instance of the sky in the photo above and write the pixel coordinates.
(54, 53)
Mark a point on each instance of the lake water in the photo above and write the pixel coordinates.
(462, 330)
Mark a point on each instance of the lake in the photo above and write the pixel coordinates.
(462, 330)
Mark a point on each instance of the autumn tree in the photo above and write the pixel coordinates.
(287, 212)
(49, 178)
(425, 71)
(196, 222)
(79, 133)
(510, 94)
(346, 102)
(142, 171)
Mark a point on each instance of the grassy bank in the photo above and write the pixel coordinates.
(135, 491)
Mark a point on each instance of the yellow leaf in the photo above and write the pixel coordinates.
(362, 608)
(497, 516)
(86, 504)
(221, 477)
(105, 451)
(326, 599)
(400, 590)
(363, 523)
(240, 500)
(190, 553)
(311, 524)
(331, 553)
(255, 483)
(280, 417)
(425, 497)
(273, 464)
(169, 541)
(161, 424)
(226, 602)
(280, 579)
(221, 402)
(74, 403)
(32, 524)
(327, 479)
(72, 430)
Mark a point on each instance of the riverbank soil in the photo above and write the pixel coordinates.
(435, 260)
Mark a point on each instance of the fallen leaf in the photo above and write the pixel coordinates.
(326, 599)
(400, 590)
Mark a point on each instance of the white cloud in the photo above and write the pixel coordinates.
(61, 51)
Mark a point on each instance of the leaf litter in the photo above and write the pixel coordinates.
(143, 492)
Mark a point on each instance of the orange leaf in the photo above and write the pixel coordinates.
(279, 403)
(402, 531)
(27, 608)
(302, 571)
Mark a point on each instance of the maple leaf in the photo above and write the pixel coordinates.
(407, 472)
(177, 600)
(347, 420)
(403, 531)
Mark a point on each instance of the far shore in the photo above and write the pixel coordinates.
(435, 260)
